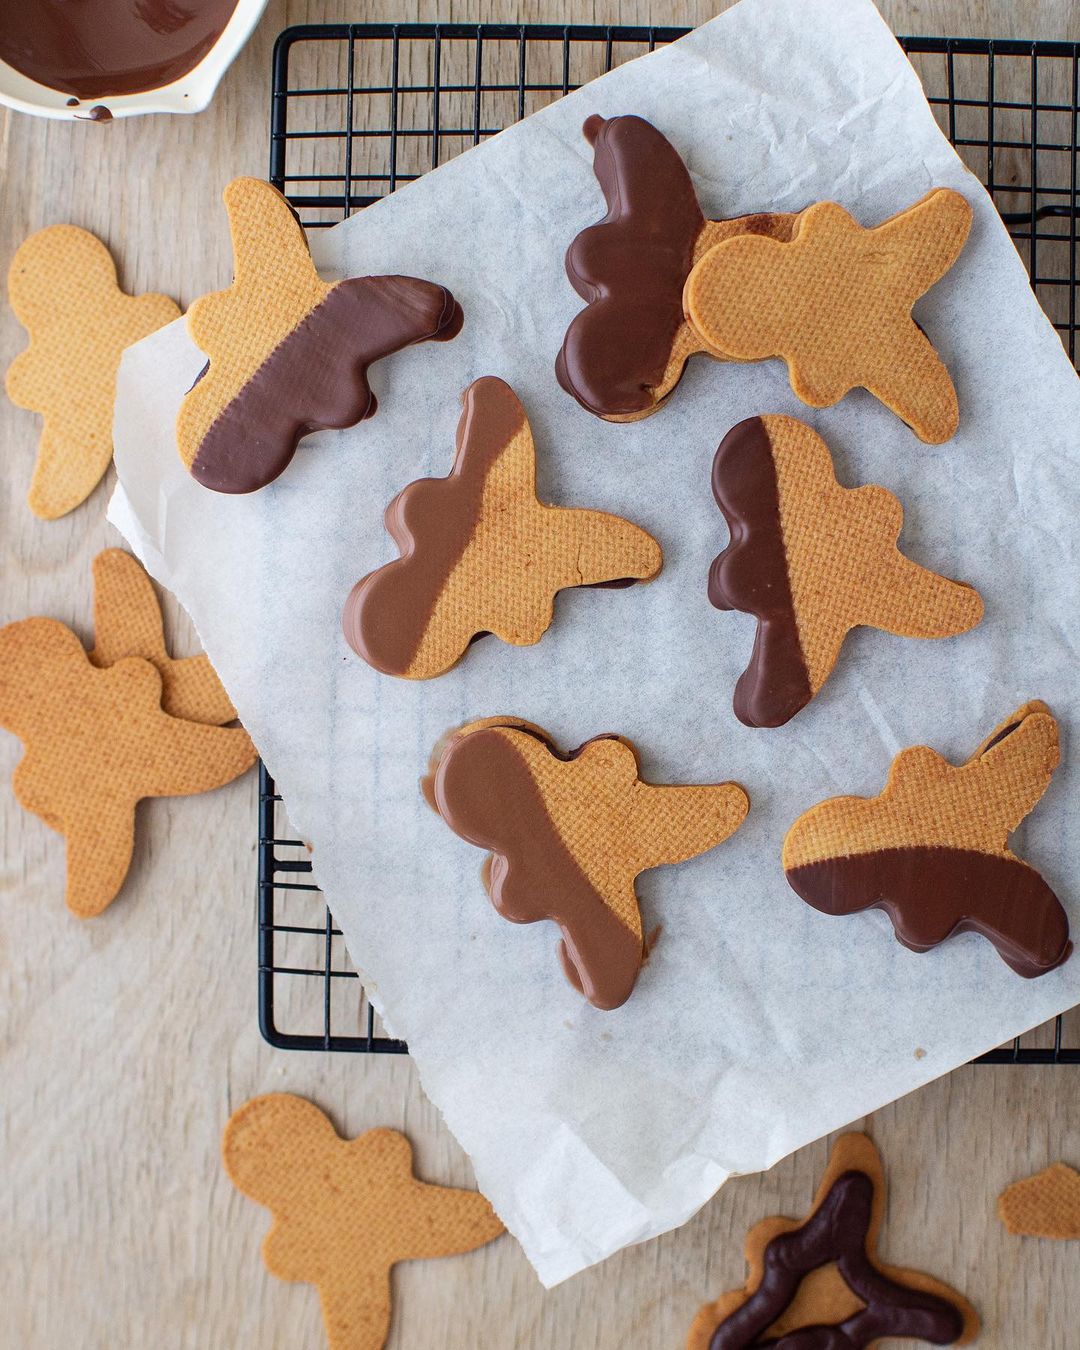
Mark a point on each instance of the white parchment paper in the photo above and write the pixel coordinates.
(758, 1024)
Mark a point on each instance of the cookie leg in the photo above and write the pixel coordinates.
(356, 1311)
(64, 477)
(98, 857)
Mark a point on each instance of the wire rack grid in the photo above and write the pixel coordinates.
(360, 109)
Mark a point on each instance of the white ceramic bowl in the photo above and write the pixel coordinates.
(189, 94)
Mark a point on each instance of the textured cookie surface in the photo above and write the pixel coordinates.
(568, 835)
(127, 622)
(96, 741)
(835, 302)
(289, 353)
(812, 560)
(345, 1210)
(63, 288)
(480, 553)
(931, 849)
(1044, 1205)
(625, 352)
(818, 1283)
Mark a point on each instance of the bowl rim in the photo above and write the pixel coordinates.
(191, 93)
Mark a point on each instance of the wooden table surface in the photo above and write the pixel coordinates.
(126, 1042)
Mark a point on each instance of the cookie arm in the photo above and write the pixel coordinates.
(597, 547)
(677, 823)
(1017, 768)
(449, 1221)
(929, 236)
(189, 757)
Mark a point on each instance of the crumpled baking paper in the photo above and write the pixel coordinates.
(758, 1024)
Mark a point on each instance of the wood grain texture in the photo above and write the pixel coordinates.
(126, 1043)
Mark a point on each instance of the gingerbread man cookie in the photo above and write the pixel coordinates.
(568, 835)
(835, 303)
(345, 1210)
(96, 741)
(127, 622)
(931, 849)
(289, 353)
(623, 354)
(812, 560)
(63, 288)
(818, 1283)
(480, 553)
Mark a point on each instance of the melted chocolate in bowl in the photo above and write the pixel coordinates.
(98, 48)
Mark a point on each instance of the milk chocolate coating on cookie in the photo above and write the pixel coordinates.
(812, 560)
(836, 1232)
(931, 849)
(630, 268)
(288, 352)
(480, 553)
(569, 834)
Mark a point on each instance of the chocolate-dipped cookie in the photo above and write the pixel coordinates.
(288, 352)
(568, 835)
(625, 352)
(812, 560)
(931, 848)
(818, 1283)
(834, 301)
(480, 553)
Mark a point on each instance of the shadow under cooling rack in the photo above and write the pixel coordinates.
(360, 109)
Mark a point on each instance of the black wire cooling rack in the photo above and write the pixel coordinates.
(359, 109)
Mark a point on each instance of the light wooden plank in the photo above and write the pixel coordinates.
(127, 1042)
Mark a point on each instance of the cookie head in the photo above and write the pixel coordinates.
(568, 835)
(835, 303)
(813, 560)
(288, 353)
(931, 849)
(480, 553)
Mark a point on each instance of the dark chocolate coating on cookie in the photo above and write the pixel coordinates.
(631, 268)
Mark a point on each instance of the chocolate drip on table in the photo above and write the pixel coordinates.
(630, 267)
(931, 892)
(486, 794)
(836, 1232)
(109, 47)
(316, 377)
(752, 575)
(432, 522)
